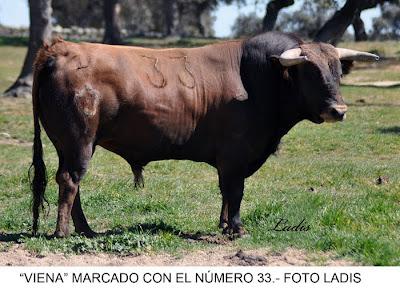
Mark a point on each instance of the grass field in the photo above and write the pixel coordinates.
(343, 179)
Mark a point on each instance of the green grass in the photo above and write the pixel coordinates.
(349, 214)
(383, 71)
(13, 41)
(11, 60)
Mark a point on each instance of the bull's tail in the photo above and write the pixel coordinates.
(39, 181)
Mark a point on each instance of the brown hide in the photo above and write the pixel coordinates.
(142, 104)
(166, 91)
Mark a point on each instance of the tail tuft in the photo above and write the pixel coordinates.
(39, 182)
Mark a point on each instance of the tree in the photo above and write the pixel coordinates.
(81, 13)
(39, 32)
(359, 28)
(387, 26)
(112, 32)
(247, 25)
(197, 14)
(308, 19)
(201, 8)
(169, 15)
(272, 11)
(335, 27)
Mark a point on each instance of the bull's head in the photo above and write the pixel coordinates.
(319, 67)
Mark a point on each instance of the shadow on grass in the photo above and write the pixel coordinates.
(157, 227)
(390, 130)
(383, 63)
(148, 228)
(18, 237)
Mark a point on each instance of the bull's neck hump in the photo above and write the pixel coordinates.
(228, 51)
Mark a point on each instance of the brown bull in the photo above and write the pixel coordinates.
(226, 104)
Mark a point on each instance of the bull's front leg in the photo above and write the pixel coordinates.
(79, 219)
(232, 187)
(223, 218)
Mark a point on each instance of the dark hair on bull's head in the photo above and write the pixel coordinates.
(319, 68)
(298, 78)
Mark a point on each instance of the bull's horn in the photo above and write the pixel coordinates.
(292, 57)
(352, 55)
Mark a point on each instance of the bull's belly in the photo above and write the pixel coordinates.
(142, 148)
(203, 146)
(141, 138)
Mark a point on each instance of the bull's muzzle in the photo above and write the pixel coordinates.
(335, 113)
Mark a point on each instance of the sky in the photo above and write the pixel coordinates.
(15, 13)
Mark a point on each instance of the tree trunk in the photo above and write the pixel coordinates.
(180, 11)
(335, 27)
(359, 29)
(39, 32)
(200, 9)
(112, 33)
(272, 11)
(169, 14)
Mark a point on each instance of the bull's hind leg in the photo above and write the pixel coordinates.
(72, 167)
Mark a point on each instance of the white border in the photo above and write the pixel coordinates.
(363, 278)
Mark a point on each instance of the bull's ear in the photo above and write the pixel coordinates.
(274, 59)
(347, 65)
(278, 65)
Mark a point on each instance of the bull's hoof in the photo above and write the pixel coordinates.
(60, 234)
(86, 233)
(223, 225)
(234, 232)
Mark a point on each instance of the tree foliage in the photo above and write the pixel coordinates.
(247, 25)
(144, 17)
(323, 20)
(304, 22)
(387, 26)
(81, 13)
(308, 19)
(336, 26)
